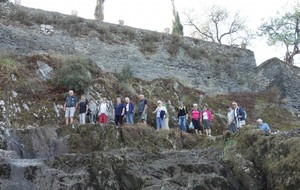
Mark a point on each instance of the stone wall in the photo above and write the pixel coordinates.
(210, 67)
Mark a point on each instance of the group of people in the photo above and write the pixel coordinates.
(236, 118)
(201, 120)
(102, 110)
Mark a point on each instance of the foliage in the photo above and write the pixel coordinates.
(174, 45)
(177, 26)
(126, 73)
(229, 144)
(218, 25)
(7, 67)
(74, 73)
(148, 42)
(196, 52)
(22, 16)
(284, 29)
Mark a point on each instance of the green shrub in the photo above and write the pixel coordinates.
(148, 47)
(126, 73)
(174, 45)
(197, 53)
(40, 18)
(220, 59)
(7, 67)
(150, 37)
(22, 16)
(148, 42)
(129, 33)
(74, 73)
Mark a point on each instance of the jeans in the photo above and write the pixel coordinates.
(82, 118)
(182, 123)
(232, 127)
(92, 118)
(129, 118)
(160, 123)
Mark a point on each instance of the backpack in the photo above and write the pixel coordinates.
(89, 111)
(162, 113)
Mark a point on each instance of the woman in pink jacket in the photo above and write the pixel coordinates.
(196, 117)
(206, 120)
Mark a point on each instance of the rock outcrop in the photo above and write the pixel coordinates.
(265, 162)
(140, 158)
(98, 158)
(285, 77)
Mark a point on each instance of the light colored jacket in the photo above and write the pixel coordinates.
(106, 110)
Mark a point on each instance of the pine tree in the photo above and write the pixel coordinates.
(177, 26)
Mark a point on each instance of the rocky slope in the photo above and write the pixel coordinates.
(285, 77)
(140, 158)
(39, 64)
(97, 158)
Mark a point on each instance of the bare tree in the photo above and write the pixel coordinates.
(99, 10)
(219, 25)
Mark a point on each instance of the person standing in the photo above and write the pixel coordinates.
(263, 127)
(231, 124)
(160, 115)
(118, 112)
(142, 109)
(166, 116)
(93, 110)
(70, 107)
(182, 117)
(195, 114)
(103, 111)
(239, 115)
(206, 120)
(129, 112)
(83, 109)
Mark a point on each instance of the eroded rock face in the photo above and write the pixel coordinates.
(109, 159)
(265, 162)
(276, 73)
(140, 158)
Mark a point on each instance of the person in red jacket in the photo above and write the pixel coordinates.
(206, 120)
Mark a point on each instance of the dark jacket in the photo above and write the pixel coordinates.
(131, 108)
(240, 114)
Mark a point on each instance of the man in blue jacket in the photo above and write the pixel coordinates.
(264, 127)
(239, 115)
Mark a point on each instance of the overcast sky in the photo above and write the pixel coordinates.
(157, 14)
